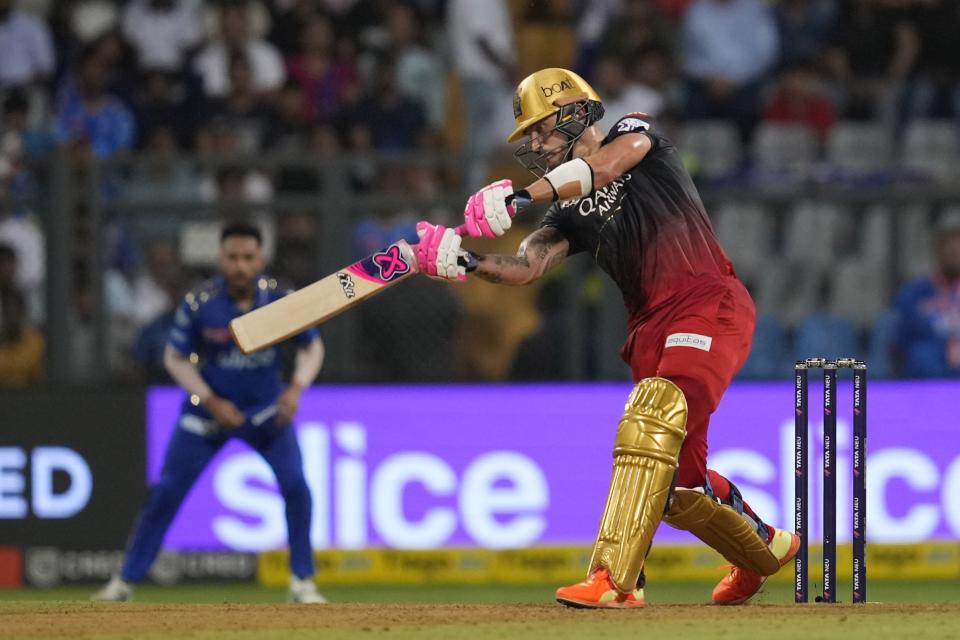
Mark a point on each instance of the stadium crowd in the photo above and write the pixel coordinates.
(103, 80)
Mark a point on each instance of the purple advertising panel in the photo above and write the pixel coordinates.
(517, 465)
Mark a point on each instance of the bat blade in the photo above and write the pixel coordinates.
(324, 299)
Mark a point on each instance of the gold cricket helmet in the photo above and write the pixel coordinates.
(543, 93)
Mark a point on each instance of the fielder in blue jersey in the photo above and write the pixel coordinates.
(229, 395)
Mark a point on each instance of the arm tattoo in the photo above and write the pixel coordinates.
(538, 253)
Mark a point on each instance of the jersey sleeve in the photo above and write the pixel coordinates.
(558, 218)
(183, 333)
(635, 123)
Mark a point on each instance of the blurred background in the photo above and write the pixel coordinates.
(823, 135)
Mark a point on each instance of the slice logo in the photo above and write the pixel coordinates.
(346, 283)
(391, 263)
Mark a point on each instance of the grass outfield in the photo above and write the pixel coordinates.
(216, 612)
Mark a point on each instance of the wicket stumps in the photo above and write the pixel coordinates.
(801, 477)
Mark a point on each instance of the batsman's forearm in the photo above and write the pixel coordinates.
(511, 270)
(186, 375)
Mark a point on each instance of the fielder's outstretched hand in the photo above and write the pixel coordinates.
(438, 252)
(489, 212)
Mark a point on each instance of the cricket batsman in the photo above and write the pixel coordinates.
(229, 395)
(625, 197)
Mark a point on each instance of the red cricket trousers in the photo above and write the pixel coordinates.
(698, 340)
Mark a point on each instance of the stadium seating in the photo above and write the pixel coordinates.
(930, 149)
(714, 146)
(859, 147)
(780, 147)
(769, 357)
(823, 334)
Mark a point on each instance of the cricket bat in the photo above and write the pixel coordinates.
(324, 299)
(331, 296)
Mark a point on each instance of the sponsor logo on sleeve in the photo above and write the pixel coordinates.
(694, 340)
(632, 124)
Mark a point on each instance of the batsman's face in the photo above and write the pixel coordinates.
(546, 140)
(241, 261)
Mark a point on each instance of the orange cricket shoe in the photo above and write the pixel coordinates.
(742, 584)
(599, 592)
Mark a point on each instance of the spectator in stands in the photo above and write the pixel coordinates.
(640, 26)
(804, 26)
(543, 354)
(26, 48)
(592, 19)
(933, 89)
(420, 77)
(291, 130)
(393, 121)
(622, 95)
(90, 117)
(21, 344)
(728, 48)
(160, 104)
(33, 141)
(213, 61)
(927, 343)
(148, 347)
(162, 177)
(155, 288)
(163, 32)
(327, 76)
(484, 59)
(799, 99)
(8, 267)
(26, 248)
(91, 19)
(243, 110)
(872, 50)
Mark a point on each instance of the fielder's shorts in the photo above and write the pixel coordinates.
(699, 339)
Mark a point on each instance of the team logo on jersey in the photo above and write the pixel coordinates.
(346, 283)
(390, 263)
(632, 124)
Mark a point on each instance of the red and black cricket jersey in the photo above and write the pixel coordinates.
(647, 229)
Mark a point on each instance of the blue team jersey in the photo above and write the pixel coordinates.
(928, 328)
(200, 332)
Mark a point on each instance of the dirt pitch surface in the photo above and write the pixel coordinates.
(467, 621)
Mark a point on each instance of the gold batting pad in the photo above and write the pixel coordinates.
(723, 529)
(644, 459)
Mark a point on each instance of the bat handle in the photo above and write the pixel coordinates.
(521, 202)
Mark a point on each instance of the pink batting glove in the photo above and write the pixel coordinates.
(438, 252)
(487, 213)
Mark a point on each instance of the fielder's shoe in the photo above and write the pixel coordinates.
(304, 591)
(599, 592)
(742, 584)
(117, 590)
